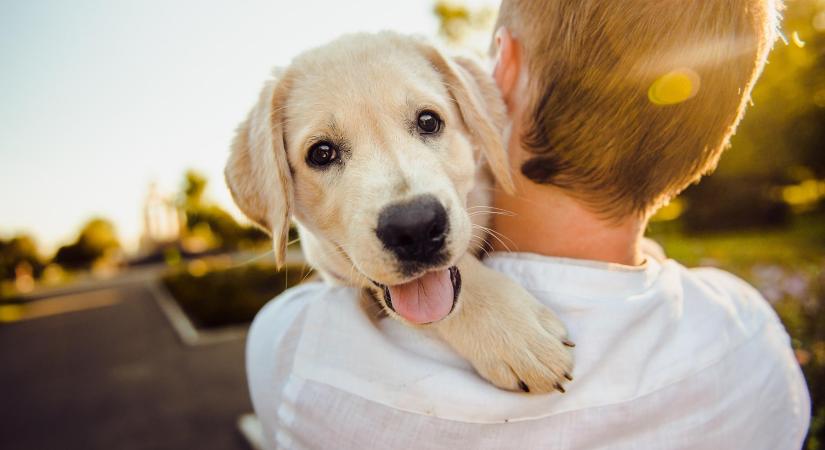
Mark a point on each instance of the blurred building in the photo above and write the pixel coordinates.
(162, 222)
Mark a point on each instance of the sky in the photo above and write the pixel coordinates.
(98, 99)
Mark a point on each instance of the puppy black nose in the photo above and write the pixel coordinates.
(416, 230)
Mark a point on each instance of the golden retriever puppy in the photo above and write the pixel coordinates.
(377, 146)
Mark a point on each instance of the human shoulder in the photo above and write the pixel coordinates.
(780, 398)
(281, 323)
(290, 307)
(298, 298)
(727, 291)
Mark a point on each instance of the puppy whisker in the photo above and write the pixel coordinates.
(490, 213)
(308, 274)
(252, 259)
(496, 235)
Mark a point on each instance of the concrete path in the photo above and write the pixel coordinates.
(117, 377)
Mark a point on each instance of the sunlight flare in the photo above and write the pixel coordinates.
(674, 87)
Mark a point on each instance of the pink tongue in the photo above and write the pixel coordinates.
(424, 300)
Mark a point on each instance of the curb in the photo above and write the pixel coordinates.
(188, 333)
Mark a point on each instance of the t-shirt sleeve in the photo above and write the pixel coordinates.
(782, 387)
(747, 302)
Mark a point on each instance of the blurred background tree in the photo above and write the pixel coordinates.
(465, 28)
(208, 226)
(97, 239)
(17, 251)
(776, 164)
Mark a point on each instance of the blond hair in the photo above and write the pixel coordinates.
(631, 101)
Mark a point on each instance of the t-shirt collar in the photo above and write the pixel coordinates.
(577, 277)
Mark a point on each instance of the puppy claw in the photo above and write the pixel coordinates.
(568, 343)
(568, 376)
(559, 388)
(523, 386)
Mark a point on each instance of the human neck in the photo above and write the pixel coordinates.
(547, 221)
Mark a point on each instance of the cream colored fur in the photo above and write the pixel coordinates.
(365, 90)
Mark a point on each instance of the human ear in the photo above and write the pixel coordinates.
(508, 66)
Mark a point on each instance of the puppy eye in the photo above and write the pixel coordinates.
(322, 154)
(429, 122)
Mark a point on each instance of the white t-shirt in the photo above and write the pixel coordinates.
(666, 358)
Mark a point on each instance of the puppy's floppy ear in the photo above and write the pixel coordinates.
(481, 107)
(257, 171)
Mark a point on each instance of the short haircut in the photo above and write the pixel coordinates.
(594, 125)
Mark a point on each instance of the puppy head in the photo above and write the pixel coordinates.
(372, 143)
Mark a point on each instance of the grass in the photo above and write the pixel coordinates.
(802, 245)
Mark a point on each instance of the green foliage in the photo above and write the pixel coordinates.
(230, 296)
(782, 133)
(461, 26)
(96, 239)
(719, 203)
(18, 250)
(779, 142)
(211, 223)
(801, 244)
(228, 233)
(193, 188)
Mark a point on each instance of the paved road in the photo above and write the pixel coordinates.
(117, 377)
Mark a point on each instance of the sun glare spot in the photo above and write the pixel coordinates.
(797, 40)
(674, 87)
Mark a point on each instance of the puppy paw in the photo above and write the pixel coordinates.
(508, 336)
(532, 355)
(514, 342)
